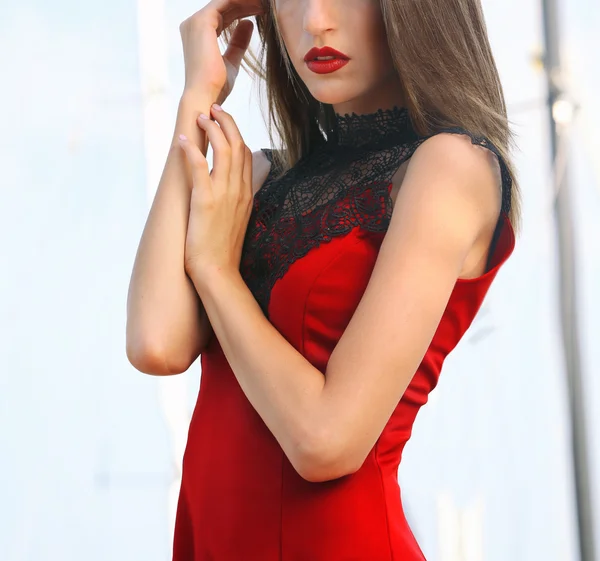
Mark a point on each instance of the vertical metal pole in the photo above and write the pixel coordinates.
(568, 295)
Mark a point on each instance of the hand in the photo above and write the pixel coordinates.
(205, 67)
(221, 202)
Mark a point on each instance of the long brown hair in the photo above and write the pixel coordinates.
(448, 75)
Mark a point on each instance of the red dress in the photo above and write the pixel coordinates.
(307, 260)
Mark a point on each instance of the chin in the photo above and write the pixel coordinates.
(330, 96)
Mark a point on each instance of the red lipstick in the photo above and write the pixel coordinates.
(325, 66)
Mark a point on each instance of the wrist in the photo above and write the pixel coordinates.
(191, 104)
(207, 276)
(196, 99)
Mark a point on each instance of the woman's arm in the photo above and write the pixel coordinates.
(167, 326)
(326, 424)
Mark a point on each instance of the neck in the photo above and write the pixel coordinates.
(379, 127)
(387, 94)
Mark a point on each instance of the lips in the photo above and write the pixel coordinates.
(326, 66)
(324, 51)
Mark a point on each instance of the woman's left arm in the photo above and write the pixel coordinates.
(326, 424)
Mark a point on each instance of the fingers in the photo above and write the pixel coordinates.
(236, 48)
(247, 173)
(243, 9)
(221, 150)
(227, 11)
(228, 144)
(233, 135)
(197, 161)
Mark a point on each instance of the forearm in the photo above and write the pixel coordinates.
(166, 323)
(283, 387)
(190, 106)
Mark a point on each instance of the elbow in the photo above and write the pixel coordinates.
(324, 461)
(151, 359)
(160, 350)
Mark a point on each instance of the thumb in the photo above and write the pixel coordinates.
(239, 43)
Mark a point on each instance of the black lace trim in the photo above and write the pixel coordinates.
(331, 191)
(352, 129)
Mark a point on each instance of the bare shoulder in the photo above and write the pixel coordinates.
(449, 166)
(260, 170)
(455, 188)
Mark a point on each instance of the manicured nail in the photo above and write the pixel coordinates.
(182, 137)
(217, 107)
(203, 116)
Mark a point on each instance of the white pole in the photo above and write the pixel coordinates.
(560, 113)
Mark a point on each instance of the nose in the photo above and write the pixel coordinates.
(319, 16)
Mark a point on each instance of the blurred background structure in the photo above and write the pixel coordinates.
(90, 449)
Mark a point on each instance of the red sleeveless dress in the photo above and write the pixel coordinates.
(307, 260)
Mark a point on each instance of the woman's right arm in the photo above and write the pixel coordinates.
(167, 326)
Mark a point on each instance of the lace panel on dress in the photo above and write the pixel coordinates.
(343, 184)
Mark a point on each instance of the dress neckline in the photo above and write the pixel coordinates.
(353, 130)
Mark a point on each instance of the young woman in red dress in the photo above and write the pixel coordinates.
(323, 283)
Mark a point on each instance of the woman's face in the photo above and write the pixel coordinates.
(368, 80)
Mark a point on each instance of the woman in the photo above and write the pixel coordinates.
(336, 273)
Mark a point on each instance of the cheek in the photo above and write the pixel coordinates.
(371, 22)
(373, 30)
(286, 9)
(288, 13)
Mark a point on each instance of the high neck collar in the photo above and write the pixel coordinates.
(353, 129)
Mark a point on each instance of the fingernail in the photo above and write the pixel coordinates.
(217, 107)
(203, 116)
(182, 137)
